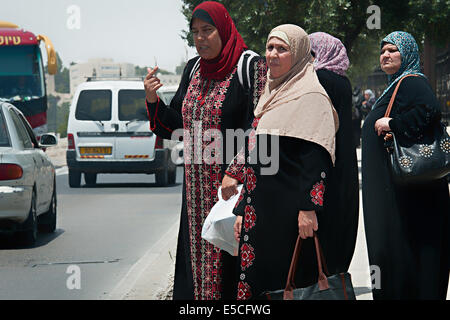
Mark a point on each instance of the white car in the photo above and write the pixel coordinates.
(27, 178)
(109, 132)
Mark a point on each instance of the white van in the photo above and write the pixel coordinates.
(108, 132)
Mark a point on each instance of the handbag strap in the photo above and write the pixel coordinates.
(388, 136)
(391, 102)
(321, 265)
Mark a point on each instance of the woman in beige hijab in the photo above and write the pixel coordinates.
(295, 124)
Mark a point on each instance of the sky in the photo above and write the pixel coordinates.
(132, 31)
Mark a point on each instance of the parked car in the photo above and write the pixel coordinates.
(109, 132)
(27, 178)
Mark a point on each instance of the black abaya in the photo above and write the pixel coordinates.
(339, 224)
(406, 227)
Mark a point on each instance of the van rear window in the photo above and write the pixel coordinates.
(132, 105)
(94, 105)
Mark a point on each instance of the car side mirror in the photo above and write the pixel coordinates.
(48, 140)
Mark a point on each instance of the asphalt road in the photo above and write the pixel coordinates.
(102, 232)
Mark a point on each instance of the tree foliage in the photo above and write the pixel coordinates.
(344, 19)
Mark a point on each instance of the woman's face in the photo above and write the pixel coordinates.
(278, 56)
(206, 38)
(390, 59)
(366, 96)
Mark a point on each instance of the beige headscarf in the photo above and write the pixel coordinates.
(295, 104)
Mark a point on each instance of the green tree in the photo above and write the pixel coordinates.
(142, 72)
(344, 19)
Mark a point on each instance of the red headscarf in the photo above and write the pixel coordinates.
(232, 43)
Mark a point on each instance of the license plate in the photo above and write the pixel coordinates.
(96, 150)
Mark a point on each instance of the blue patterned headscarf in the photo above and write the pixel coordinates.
(409, 52)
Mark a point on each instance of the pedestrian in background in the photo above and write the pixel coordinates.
(369, 101)
(339, 223)
(406, 226)
(357, 116)
(296, 111)
(210, 94)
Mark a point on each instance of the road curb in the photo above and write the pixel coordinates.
(150, 278)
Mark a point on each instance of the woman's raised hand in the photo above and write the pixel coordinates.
(151, 85)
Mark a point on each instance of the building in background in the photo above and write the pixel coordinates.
(170, 79)
(100, 68)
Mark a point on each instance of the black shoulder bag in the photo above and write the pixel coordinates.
(419, 162)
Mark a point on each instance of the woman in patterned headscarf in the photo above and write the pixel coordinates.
(406, 226)
(339, 227)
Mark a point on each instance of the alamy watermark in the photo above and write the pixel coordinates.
(206, 146)
(73, 282)
(74, 18)
(374, 21)
(375, 276)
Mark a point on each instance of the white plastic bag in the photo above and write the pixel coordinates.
(218, 226)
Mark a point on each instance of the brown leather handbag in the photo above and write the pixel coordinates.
(335, 287)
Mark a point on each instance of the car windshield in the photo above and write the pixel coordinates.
(132, 105)
(4, 139)
(21, 72)
(94, 105)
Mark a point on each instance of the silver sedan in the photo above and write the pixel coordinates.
(27, 178)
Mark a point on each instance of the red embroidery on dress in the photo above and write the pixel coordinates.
(241, 197)
(317, 193)
(202, 182)
(249, 217)
(251, 180)
(255, 123)
(247, 256)
(244, 291)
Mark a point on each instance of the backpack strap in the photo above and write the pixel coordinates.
(243, 73)
(194, 68)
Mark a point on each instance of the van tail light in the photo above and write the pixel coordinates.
(158, 143)
(10, 171)
(70, 142)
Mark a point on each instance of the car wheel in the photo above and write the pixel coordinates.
(162, 177)
(30, 227)
(90, 178)
(47, 221)
(74, 178)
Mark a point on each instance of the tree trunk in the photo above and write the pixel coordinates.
(429, 62)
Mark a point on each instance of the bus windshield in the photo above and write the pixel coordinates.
(21, 73)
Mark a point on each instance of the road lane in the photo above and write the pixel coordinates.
(103, 230)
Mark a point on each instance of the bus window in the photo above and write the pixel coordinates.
(21, 72)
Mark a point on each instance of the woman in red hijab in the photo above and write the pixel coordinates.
(209, 100)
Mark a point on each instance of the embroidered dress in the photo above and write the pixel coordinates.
(205, 109)
(270, 205)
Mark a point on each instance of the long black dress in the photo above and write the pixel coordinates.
(270, 205)
(406, 227)
(202, 108)
(339, 224)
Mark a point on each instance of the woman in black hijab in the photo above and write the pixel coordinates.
(406, 227)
